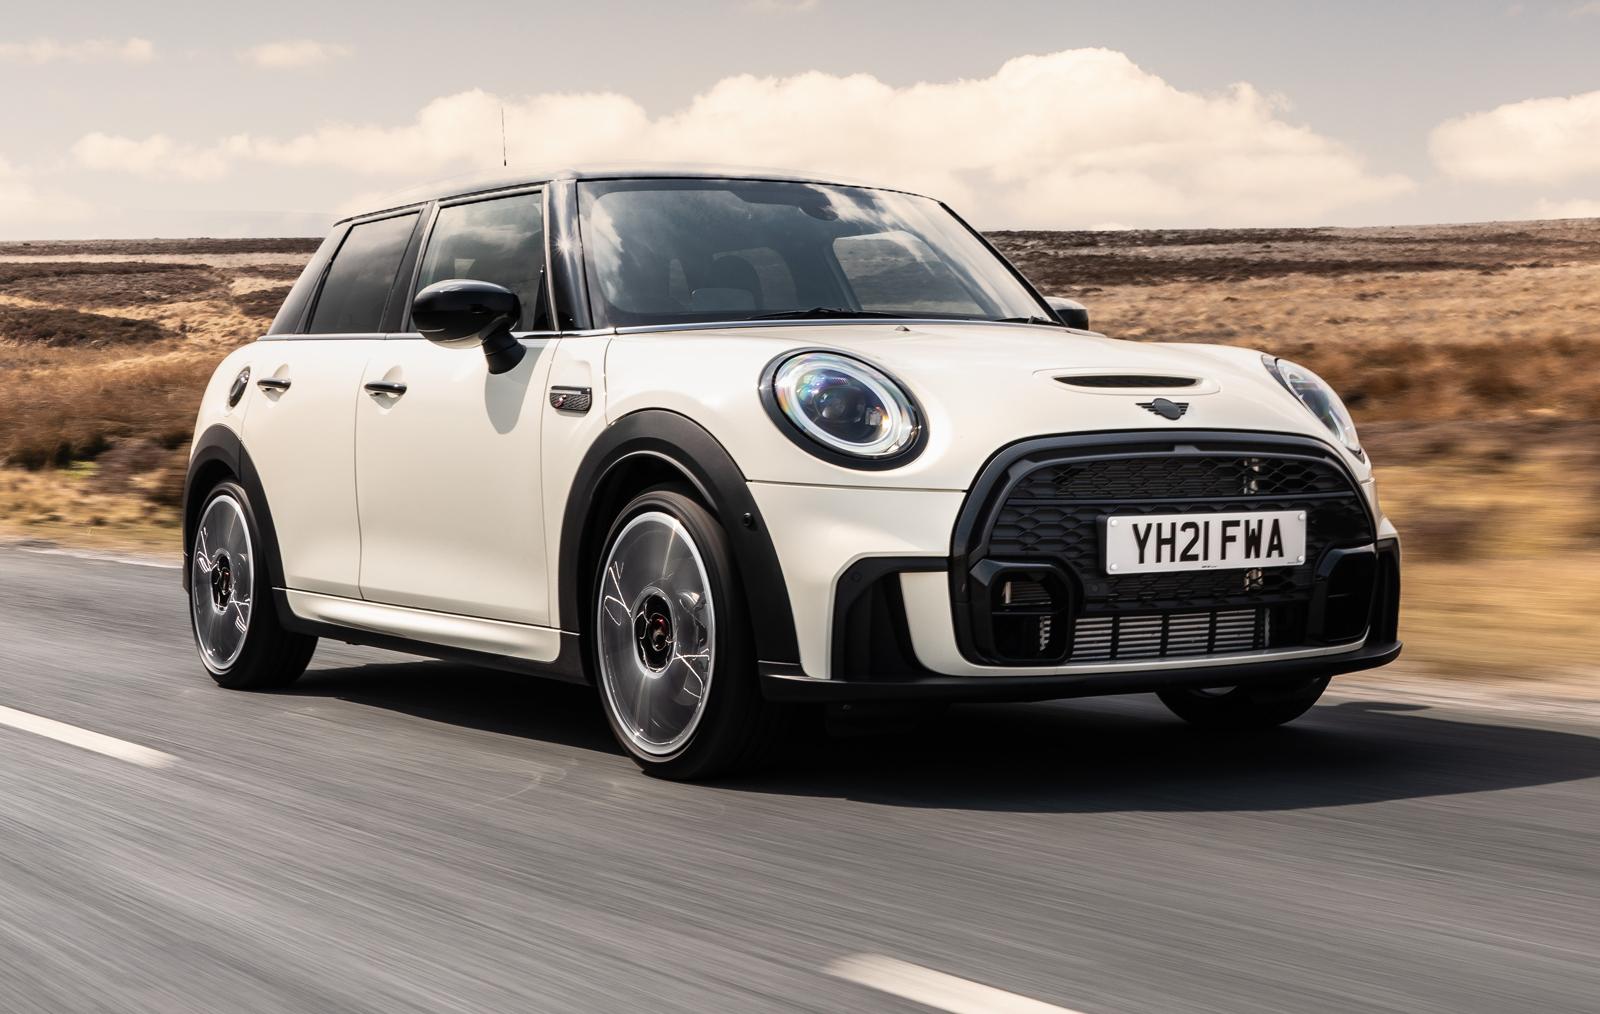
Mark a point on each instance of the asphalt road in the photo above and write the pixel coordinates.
(395, 835)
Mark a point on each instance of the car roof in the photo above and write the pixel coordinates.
(479, 183)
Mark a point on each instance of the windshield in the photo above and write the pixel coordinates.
(677, 251)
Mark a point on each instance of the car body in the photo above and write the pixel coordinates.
(910, 479)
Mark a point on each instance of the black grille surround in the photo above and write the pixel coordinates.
(1040, 505)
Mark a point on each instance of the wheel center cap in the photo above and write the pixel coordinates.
(222, 581)
(652, 631)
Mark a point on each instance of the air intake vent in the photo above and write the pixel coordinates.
(1110, 638)
(1132, 381)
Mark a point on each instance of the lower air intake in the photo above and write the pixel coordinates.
(1174, 635)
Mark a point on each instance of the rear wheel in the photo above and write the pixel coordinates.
(672, 646)
(230, 606)
(1243, 708)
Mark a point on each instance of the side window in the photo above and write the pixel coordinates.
(895, 271)
(499, 241)
(358, 283)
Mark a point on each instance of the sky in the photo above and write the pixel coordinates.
(131, 119)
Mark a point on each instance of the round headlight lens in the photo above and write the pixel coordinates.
(845, 405)
(1318, 397)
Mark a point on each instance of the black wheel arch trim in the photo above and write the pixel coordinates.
(220, 447)
(701, 459)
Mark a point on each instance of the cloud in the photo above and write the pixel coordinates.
(1586, 10)
(40, 51)
(1535, 141)
(292, 53)
(156, 156)
(781, 6)
(1575, 208)
(1071, 138)
(23, 204)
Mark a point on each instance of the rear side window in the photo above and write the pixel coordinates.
(499, 241)
(358, 283)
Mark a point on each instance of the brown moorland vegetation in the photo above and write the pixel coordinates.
(1470, 355)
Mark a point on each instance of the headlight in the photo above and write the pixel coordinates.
(845, 406)
(1318, 398)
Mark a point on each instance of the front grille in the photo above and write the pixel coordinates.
(1046, 504)
(1055, 511)
(1170, 635)
(1163, 477)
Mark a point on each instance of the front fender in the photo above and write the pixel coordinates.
(655, 438)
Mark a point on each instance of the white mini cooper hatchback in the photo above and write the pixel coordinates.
(722, 444)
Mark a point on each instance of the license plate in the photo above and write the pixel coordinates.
(1157, 543)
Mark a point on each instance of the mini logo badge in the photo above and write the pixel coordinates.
(1166, 409)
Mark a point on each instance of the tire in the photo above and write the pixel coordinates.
(1243, 708)
(239, 638)
(671, 644)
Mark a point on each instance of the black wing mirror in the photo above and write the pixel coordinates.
(460, 313)
(1069, 312)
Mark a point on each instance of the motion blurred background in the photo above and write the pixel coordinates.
(1216, 175)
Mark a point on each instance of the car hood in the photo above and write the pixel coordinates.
(981, 386)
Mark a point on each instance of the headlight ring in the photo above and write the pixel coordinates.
(1319, 398)
(843, 409)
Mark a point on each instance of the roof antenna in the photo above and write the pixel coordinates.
(503, 160)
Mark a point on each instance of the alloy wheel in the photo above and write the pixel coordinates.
(221, 576)
(656, 630)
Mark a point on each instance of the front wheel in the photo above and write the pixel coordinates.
(235, 626)
(1243, 708)
(671, 643)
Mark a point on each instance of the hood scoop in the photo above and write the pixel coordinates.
(1127, 381)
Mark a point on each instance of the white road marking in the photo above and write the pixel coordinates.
(61, 732)
(935, 989)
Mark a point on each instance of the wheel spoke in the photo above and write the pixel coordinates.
(612, 602)
(641, 708)
(693, 684)
(202, 555)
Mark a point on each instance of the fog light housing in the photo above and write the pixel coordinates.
(1022, 612)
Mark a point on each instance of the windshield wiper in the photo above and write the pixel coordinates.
(1029, 320)
(824, 313)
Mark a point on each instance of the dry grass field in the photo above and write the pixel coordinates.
(1469, 354)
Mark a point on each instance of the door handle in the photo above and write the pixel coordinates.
(393, 388)
(279, 384)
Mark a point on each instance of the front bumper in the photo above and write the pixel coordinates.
(892, 622)
(876, 657)
(780, 683)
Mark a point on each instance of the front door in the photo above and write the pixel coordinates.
(447, 454)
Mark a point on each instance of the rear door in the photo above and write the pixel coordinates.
(447, 454)
(300, 431)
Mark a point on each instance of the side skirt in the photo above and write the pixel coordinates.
(494, 644)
